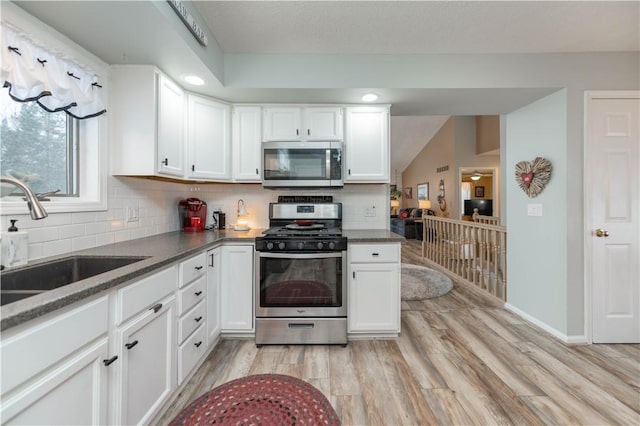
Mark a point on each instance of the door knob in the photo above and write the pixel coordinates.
(601, 233)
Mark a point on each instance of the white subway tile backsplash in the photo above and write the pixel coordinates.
(40, 235)
(157, 202)
(81, 243)
(53, 248)
(71, 231)
(107, 238)
(95, 228)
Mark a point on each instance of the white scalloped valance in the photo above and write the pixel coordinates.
(33, 73)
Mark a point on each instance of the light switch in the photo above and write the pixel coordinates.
(534, 209)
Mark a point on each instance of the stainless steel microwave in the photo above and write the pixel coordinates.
(302, 164)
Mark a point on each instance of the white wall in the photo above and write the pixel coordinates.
(537, 246)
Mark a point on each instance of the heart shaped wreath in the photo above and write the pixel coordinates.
(533, 176)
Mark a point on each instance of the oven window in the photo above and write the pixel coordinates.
(287, 282)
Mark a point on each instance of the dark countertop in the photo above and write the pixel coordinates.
(162, 250)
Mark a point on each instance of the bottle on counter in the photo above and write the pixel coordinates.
(15, 246)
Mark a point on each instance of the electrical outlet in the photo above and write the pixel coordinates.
(370, 211)
(133, 214)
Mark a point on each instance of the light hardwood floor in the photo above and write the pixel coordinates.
(461, 360)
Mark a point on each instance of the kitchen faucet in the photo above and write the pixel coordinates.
(35, 208)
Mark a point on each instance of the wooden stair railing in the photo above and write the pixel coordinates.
(475, 252)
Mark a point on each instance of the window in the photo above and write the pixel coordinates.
(38, 147)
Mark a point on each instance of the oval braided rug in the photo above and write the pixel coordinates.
(262, 399)
(420, 282)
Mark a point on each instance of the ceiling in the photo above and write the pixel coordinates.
(122, 32)
(420, 27)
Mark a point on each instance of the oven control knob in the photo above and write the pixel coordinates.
(332, 245)
(320, 245)
(269, 246)
(281, 246)
(300, 245)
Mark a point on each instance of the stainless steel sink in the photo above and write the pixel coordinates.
(25, 282)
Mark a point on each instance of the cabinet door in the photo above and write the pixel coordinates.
(72, 393)
(247, 152)
(170, 128)
(323, 124)
(147, 364)
(208, 139)
(367, 144)
(213, 294)
(374, 297)
(236, 302)
(282, 124)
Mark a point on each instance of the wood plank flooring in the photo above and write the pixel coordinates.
(461, 360)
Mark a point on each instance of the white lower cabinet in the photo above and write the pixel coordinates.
(374, 288)
(213, 294)
(236, 298)
(53, 371)
(146, 366)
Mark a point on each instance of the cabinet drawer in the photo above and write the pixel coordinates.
(192, 268)
(191, 320)
(29, 352)
(374, 253)
(143, 294)
(190, 352)
(192, 294)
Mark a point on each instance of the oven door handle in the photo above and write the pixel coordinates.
(301, 255)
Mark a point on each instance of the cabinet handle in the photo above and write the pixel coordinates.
(166, 162)
(156, 308)
(198, 344)
(257, 172)
(211, 260)
(198, 319)
(198, 268)
(297, 132)
(110, 361)
(198, 293)
(354, 274)
(375, 254)
(309, 132)
(349, 171)
(130, 345)
(193, 167)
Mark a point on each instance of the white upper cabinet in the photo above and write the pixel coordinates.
(147, 122)
(208, 139)
(302, 124)
(367, 144)
(282, 124)
(170, 127)
(246, 131)
(323, 123)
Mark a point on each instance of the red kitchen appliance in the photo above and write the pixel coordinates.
(193, 214)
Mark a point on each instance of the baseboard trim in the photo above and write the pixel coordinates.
(568, 339)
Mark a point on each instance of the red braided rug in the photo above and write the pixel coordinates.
(263, 399)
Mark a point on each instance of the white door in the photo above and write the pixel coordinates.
(236, 289)
(367, 144)
(323, 124)
(612, 204)
(282, 124)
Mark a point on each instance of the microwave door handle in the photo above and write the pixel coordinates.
(328, 165)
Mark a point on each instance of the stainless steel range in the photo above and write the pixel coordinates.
(301, 290)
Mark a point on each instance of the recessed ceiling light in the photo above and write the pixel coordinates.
(194, 79)
(370, 97)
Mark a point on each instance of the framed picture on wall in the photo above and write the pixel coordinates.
(479, 191)
(423, 191)
(408, 193)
